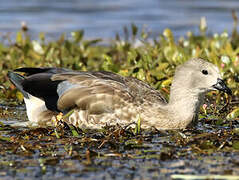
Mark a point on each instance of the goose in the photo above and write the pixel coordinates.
(96, 99)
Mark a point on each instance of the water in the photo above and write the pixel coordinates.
(105, 18)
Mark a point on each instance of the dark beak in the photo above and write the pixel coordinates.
(221, 86)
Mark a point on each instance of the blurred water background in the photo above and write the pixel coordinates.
(105, 18)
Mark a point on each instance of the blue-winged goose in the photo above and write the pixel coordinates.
(100, 98)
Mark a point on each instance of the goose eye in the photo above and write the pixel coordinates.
(204, 71)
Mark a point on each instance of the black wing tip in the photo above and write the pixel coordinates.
(31, 70)
(36, 70)
(15, 77)
(17, 80)
(9, 74)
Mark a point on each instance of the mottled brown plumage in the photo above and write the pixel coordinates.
(100, 98)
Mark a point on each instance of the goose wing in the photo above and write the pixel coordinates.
(96, 92)
(63, 89)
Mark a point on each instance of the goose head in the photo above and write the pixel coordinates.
(197, 77)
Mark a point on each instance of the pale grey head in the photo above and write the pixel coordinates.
(197, 77)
